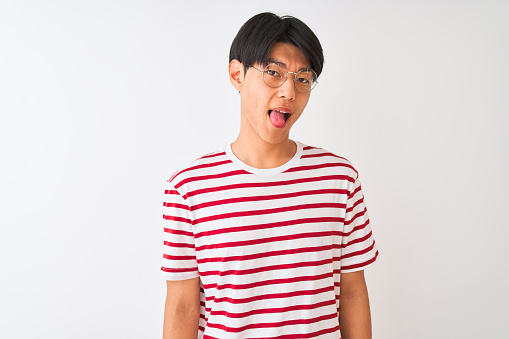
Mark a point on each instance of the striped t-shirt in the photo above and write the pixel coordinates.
(268, 244)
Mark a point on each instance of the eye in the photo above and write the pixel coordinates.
(273, 73)
(303, 80)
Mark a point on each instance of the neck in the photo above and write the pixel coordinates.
(261, 154)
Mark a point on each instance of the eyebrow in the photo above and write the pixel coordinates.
(271, 60)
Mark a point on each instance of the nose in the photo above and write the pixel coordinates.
(287, 89)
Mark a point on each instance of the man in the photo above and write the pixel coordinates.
(264, 236)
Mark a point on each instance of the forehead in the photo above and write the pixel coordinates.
(288, 55)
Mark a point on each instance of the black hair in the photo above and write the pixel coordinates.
(256, 37)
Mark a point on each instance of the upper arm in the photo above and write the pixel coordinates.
(182, 309)
(183, 295)
(353, 284)
(354, 312)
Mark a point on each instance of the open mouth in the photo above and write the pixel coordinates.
(286, 115)
(278, 118)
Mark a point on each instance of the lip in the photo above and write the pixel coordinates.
(282, 109)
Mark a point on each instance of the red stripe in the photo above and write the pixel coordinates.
(179, 270)
(355, 191)
(211, 176)
(355, 241)
(269, 282)
(172, 192)
(293, 336)
(267, 211)
(270, 239)
(274, 324)
(269, 225)
(306, 335)
(179, 232)
(174, 244)
(361, 252)
(273, 310)
(319, 166)
(356, 228)
(360, 214)
(350, 209)
(350, 267)
(267, 268)
(269, 254)
(327, 154)
(179, 257)
(173, 218)
(212, 164)
(211, 155)
(268, 184)
(175, 205)
(268, 197)
(271, 296)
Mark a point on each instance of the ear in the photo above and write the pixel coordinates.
(236, 73)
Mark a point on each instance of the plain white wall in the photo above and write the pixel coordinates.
(101, 101)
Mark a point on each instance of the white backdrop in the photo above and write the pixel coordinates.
(101, 101)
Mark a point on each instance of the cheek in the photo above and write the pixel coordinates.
(302, 103)
(256, 95)
(259, 101)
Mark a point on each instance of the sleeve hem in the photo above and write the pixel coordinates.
(361, 267)
(179, 276)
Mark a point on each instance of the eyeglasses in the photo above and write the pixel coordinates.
(274, 75)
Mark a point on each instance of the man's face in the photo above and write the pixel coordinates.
(259, 121)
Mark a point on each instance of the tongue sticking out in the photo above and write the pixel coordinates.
(277, 118)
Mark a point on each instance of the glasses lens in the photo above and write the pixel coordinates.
(274, 75)
(305, 80)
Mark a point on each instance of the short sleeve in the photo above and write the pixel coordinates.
(179, 254)
(358, 245)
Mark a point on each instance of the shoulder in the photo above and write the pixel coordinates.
(322, 158)
(199, 166)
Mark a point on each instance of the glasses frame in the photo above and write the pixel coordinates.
(286, 77)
